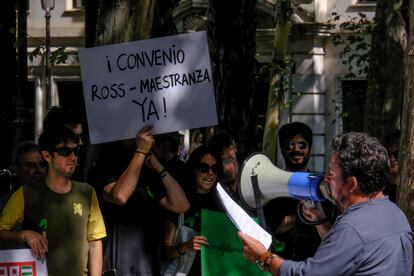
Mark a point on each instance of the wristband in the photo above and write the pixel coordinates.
(163, 173)
(264, 260)
(268, 261)
(142, 152)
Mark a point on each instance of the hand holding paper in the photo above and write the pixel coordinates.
(242, 220)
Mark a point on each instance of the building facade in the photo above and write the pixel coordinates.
(320, 82)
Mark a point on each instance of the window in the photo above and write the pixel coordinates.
(77, 4)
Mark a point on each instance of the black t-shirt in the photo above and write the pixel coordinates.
(303, 240)
(141, 208)
(134, 229)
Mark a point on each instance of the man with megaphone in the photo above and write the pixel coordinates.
(371, 236)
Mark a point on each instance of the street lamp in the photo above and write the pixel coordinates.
(47, 6)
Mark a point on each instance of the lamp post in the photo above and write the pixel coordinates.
(47, 6)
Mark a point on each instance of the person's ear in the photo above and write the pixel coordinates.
(352, 184)
(46, 155)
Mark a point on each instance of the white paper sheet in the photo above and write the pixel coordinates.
(242, 220)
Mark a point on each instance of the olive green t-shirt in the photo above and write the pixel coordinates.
(73, 219)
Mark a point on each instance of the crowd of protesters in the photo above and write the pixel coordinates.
(124, 221)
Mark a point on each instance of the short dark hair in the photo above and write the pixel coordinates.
(220, 142)
(58, 116)
(289, 130)
(50, 138)
(363, 157)
(173, 139)
(391, 139)
(21, 149)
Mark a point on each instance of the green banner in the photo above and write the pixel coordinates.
(224, 255)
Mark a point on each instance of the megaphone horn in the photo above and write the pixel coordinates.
(274, 182)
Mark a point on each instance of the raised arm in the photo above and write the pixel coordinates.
(175, 199)
(120, 191)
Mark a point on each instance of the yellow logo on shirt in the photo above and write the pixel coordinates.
(77, 209)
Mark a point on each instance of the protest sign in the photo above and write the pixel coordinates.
(224, 254)
(165, 82)
(21, 262)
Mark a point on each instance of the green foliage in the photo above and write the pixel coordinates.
(354, 38)
(277, 74)
(58, 56)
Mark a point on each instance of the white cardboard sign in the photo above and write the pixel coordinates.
(21, 262)
(165, 82)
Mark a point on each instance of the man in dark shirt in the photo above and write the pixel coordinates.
(135, 187)
(294, 239)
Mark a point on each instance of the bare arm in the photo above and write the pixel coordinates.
(37, 242)
(170, 251)
(175, 199)
(120, 191)
(95, 258)
(174, 251)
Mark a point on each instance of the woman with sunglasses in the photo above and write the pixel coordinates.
(205, 168)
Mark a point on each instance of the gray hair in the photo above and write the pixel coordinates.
(363, 157)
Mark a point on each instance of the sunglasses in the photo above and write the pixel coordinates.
(290, 145)
(205, 168)
(393, 153)
(66, 151)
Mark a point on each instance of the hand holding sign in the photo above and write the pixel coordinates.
(195, 243)
(36, 242)
(166, 82)
(144, 140)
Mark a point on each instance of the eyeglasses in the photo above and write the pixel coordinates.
(290, 145)
(393, 153)
(205, 168)
(66, 151)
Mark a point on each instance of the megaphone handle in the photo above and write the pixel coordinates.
(258, 200)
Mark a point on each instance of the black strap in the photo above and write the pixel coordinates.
(258, 200)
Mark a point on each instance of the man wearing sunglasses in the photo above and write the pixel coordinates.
(61, 218)
(59, 116)
(295, 142)
(296, 240)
